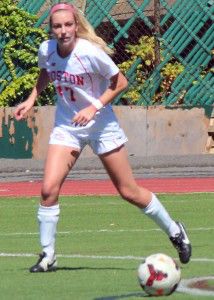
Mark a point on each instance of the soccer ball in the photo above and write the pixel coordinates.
(159, 275)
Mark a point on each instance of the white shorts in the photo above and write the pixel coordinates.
(111, 137)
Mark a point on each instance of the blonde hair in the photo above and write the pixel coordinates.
(85, 30)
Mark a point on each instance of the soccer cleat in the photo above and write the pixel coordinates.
(182, 244)
(44, 264)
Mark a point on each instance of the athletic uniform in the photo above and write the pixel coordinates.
(81, 78)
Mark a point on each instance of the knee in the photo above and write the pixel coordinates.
(49, 193)
(136, 195)
(128, 193)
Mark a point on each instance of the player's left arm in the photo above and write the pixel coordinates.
(118, 83)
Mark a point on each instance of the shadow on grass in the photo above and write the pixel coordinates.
(90, 268)
(58, 269)
(139, 295)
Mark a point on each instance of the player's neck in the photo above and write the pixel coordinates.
(65, 51)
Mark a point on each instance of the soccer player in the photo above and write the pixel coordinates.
(86, 80)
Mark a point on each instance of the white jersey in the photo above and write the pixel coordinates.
(79, 79)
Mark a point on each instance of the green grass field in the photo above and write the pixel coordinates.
(100, 243)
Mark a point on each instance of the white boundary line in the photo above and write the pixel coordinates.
(101, 231)
(127, 257)
(185, 283)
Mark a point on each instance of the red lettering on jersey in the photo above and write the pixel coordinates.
(72, 98)
(59, 75)
(72, 79)
(52, 76)
(59, 90)
(80, 80)
(66, 77)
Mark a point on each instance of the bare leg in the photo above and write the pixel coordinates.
(117, 165)
(60, 160)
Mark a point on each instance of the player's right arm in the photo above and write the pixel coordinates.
(25, 106)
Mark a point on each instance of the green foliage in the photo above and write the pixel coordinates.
(20, 41)
(169, 73)
(145, 50)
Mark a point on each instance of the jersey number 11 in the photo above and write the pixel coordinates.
(69, 90)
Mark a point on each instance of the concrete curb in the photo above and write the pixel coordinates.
(91, 168)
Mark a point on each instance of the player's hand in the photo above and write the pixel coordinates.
(22, 109)
(84, 116)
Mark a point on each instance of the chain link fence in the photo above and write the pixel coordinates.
(165, 47)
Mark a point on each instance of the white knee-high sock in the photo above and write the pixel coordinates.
(48, 218)
(161, 217)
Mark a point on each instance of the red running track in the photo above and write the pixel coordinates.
(105, 187)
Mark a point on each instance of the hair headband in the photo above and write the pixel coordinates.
(64, 6)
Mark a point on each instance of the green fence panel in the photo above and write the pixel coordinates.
(31, 6)
(199, 93)
(141, 14)
(96, 12)
(127, 26)
(195, 62)
(186, 35)
(184, 29)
